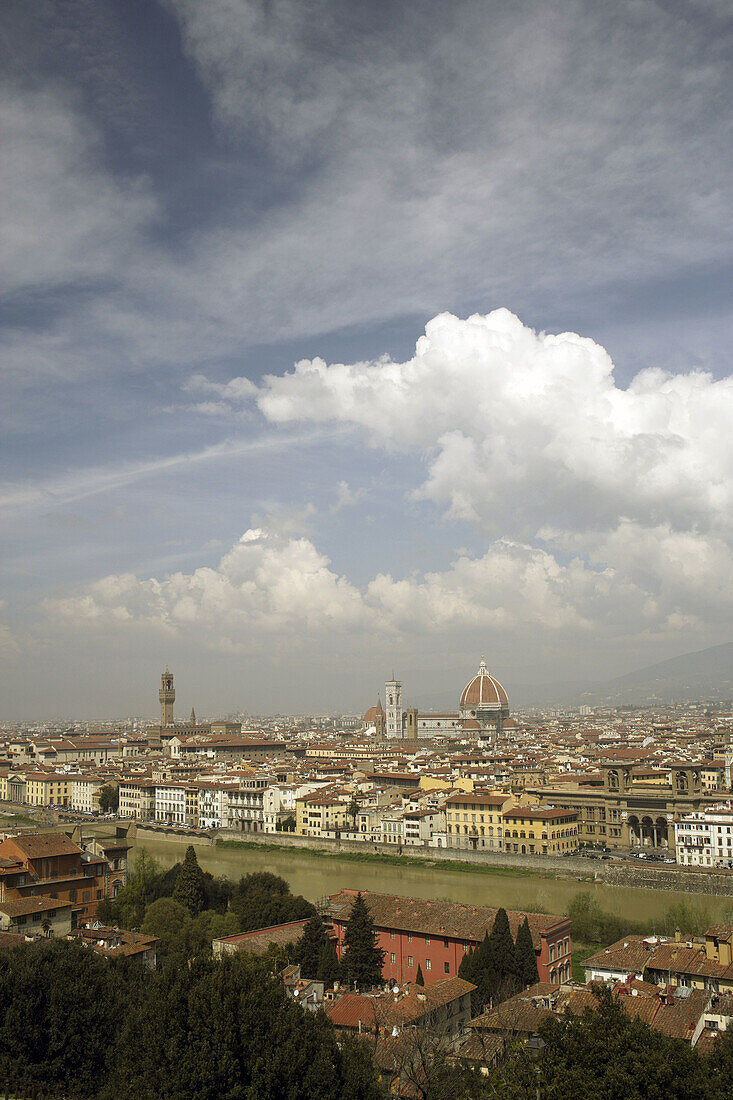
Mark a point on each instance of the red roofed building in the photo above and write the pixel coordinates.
(435, 935)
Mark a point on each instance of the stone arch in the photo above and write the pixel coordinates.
(634, 829)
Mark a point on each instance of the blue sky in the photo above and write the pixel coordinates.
(196, 197)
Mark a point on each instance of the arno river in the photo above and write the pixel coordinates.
(315, 877)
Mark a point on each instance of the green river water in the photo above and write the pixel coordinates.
(316, 876)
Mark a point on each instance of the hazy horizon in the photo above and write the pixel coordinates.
(344, 337)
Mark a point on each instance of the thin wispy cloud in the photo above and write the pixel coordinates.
(77, 485)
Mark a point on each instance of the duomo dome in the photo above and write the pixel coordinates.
(483, 693)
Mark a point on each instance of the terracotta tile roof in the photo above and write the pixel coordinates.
(37, 845)
(629, 954)
(18, 907)
(258, 940)
(383, 1009)
(438, 918)
(518, 1015)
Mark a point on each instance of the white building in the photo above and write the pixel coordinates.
(170, 804)
(213, 805)
(704, 838)
(278, 801)
(83, 790)
(245, 805)
(137, 799)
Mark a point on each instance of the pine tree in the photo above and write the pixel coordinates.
(526, 958)
(363, 960)
(189, 889)
(419, 980)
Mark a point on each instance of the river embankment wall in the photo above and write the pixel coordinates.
(631, 873)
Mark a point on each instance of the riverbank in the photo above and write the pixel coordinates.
(393, 860)
(314, 876)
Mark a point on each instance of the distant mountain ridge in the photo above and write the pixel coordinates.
(701, 676)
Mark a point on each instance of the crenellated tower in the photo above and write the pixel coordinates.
(167, 696)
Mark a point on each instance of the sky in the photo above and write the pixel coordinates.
(338, 338)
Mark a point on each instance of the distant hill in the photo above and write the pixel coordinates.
(706, 675)
(693, 677)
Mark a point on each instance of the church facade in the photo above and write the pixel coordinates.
(483, 709)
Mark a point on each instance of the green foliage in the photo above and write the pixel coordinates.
(170, 921)
(128, 908)
(591, 924)
(363, 960)
(419, 980)
(526, 958)
(62, 1009)
(109, 798)
(494, 966)
(316, 953)
(147, 882)
(227, 1029)
(80, 1025)
(605, 1054)
(263, 899)
(189, 888)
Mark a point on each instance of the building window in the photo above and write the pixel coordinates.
(409, 937)
(427, 940)
(391, 935)
(428, 964)
(409, 960)
(392, 958)
(446, 967)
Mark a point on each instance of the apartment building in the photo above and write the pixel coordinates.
(137, 799)
(245, 804)
(172, 804)
(551, 831)
(85, 793)
(49, 865)
(704, 838)
(691, 963)
(475, 820)
(48, 789)
(322, 814)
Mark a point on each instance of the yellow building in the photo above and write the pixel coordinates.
(552, 831)
(48, 789)
(321, 815)
(192, 806)
(475, 820)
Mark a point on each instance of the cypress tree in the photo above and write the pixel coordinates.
(419, 980)
(526, 958)
(363, 960)
(504, 957)
(328, 963)
(189, 889)
(309, 947)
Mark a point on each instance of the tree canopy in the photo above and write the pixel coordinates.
(80, 1025)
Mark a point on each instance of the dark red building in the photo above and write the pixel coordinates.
(435, 935)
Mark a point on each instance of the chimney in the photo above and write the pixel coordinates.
(677, 936)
